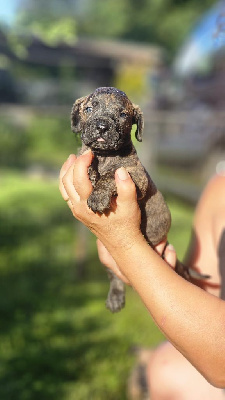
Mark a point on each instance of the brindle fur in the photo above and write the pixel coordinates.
(104, 119)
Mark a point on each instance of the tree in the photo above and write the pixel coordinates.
(164, 22)
(52, 21)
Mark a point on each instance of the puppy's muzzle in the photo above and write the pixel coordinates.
(102, 133)
(102, 126)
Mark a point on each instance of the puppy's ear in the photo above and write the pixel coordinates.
(138, 119)
(76, 115)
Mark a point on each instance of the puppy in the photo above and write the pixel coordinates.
(104, 119)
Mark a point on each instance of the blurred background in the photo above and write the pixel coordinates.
(57, 340)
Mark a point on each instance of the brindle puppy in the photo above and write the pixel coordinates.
(104, 119)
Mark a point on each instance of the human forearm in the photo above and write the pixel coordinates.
(190, 318)
(193, 320)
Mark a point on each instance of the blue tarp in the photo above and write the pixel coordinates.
(206, 38)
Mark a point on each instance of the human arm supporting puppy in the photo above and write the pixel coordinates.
(192, 319)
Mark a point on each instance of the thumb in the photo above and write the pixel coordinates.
(125, 187)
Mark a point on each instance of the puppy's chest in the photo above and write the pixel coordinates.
(108, 165)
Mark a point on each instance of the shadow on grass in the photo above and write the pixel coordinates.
(47, 326)
(57, 341)
(56, 338)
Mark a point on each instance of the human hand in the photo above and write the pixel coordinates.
(120, 227)
(106, 259)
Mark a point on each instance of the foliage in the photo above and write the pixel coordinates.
(50, 149)
(13, 144)
(54, 31)
(50, 21)
(163, 22)
(42, 140)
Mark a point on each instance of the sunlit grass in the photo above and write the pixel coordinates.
(57, 340)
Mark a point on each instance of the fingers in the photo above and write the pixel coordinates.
(103, 253)
(81, 179)
(107, 260)
(125, 187)
(170, 256)
(159, 248)
(74, 181)
(71, 159)
(72, 195)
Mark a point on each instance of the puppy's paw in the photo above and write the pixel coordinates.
(99, 202)
(115, 300)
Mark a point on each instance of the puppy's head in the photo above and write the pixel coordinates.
(105, 118)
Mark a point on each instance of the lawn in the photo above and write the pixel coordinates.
(57, 340)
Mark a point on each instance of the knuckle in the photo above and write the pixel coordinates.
(65, 180)
(75, 211)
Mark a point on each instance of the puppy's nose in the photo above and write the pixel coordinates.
(102, 126)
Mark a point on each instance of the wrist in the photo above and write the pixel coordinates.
(120, 243)
(128, 251)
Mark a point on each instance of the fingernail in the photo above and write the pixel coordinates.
(71, 155)
(170, 247)
(86, 152)
(122, 174)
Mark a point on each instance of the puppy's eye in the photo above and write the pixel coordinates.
(123, 115)
(88, 109)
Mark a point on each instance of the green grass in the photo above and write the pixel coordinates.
(57, 340)
(180, 232)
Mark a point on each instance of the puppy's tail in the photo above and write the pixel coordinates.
(186, 272)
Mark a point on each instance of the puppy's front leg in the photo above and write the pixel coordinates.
(140, 178)
(100, 198)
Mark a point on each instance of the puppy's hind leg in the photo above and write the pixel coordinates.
(116, 296)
